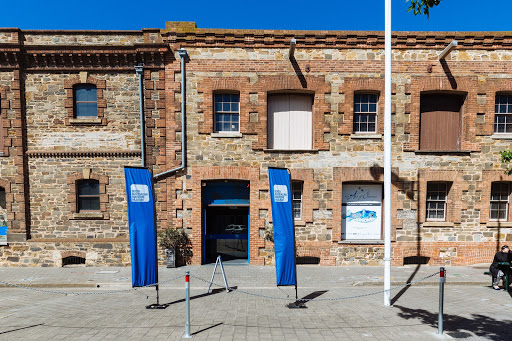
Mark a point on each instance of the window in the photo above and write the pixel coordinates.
(503, 114)
(297, 187)
(500, 192)
(290, 122)
(88, 192)
(361, 211)
(436, 201)
(227, 112)
(365, 113)
(86, 101)
(440, 122)
(2, 198)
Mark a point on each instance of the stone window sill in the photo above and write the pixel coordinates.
(438, 224)
(499, 224)
(498, 136)
(362, 241)
(226, 134)
(366, 136)
(290, 150)
(85, 121)
(299, 223)
(88, 216)
(454, 152)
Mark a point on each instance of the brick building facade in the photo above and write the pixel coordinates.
(250, 106)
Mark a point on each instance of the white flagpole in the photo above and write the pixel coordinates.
(387, 157)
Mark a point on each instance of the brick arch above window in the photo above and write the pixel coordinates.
(454, 202)
(72, 181)
(488, 177)
(369, 175)
(352, 86)
(208, 87)
(253, 103)
(306, 176)
(486, 101)
(462, 84)
(69, 103)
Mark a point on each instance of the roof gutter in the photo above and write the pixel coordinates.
(182, 53)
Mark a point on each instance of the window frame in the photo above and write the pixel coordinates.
(80, 196)
(365, 113)
(300, 190)
(506, 115)
(3, 192)
(215, 112)
(272, 99)
(75, 100)
(499, 201)
(445, 201)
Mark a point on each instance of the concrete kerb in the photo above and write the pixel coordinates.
(242, 276)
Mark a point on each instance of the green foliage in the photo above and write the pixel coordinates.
(269, 233)
(422, 6)
(173, 239)
(506, 158)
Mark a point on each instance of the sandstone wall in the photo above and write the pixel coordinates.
(244, 70)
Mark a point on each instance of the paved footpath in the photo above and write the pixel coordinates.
(473, 311)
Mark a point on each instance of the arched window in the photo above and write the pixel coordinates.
(86, 100)
(2, 198)
(88, 195)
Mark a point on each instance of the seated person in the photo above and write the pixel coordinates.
(497, 271)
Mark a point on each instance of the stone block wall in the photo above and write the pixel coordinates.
(463, 239)
(44, 148)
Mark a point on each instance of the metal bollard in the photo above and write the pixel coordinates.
(187, 306)
(442, 278)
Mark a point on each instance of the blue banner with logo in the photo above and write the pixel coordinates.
(141, 221)
(282, 219)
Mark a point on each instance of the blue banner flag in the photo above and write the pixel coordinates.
(141, 220)
(282, 218)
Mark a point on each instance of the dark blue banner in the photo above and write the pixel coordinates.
(282, 219)
(141, 221)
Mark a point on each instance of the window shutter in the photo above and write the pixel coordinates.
(290, 123)
(440, 122)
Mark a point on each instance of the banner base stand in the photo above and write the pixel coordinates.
(157, 306)
(297, 305)
(219, 262)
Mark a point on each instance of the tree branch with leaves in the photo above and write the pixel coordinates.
(506, 159)
(422, 6)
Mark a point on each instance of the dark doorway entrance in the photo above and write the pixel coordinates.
(225, 220)
(226, 233)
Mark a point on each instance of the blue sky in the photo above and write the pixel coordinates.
(451, 15)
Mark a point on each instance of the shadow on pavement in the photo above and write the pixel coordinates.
(21, 328)
(301, 303)
(213, 292)
(404, 289)
(460, 327)
(205, 329)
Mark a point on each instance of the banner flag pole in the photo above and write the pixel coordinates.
(284, 230)
(142, 229)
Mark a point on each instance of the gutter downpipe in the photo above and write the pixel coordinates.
(184, 58)
(140, 72)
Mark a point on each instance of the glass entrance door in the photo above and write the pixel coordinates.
(226, 232)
